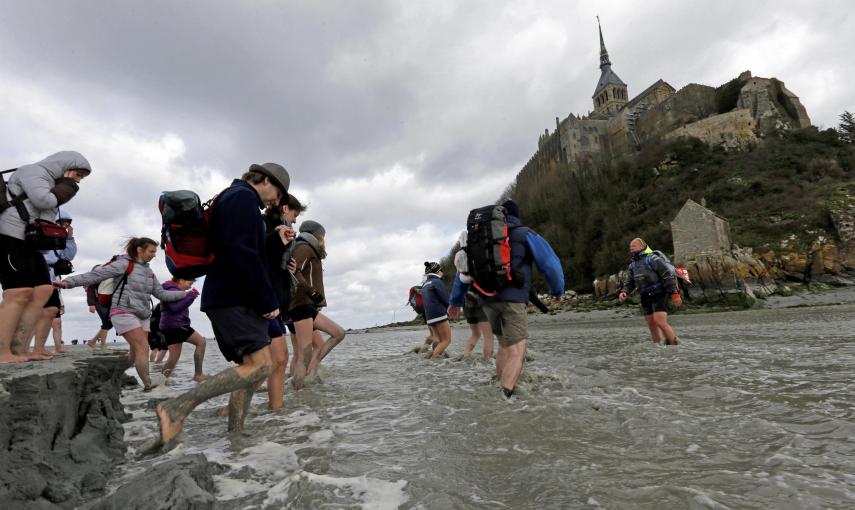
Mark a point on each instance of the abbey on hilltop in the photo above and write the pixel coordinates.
(734, 115)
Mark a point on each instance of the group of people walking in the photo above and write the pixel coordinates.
(503, 313)
(266, 277)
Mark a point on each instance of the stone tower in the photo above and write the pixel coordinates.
(610, 94)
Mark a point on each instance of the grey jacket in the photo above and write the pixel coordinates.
(650, 273)
(36, 181)
(136, 297)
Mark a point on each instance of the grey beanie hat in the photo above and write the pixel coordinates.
(313, 227)
(277, 174)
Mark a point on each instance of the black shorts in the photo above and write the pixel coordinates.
(651, 303)
(177, 336)
(104, 315)
(239, 331)
(156, 341)
(474, 313)
(53, 300)
(275, 328)
(303, 312)
(21, 267)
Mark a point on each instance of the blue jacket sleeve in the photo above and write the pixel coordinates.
(547, 263)
(458, 291)
(68, 253)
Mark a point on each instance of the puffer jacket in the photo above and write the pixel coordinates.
(650, 273)
(310, 270)
(176, 314)
(136, 296)
(36, 181)
(435, 296)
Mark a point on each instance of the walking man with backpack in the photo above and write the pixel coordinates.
(653, 275)
(500, 252)
(237, 297)
(29, 206)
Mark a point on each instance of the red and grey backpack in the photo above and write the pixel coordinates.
(185, 235)
(488, 249)
(416, 300)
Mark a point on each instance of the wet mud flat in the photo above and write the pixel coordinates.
(755, 409)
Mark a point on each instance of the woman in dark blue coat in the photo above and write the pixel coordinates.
(435, 296)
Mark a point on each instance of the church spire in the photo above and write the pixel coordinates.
(604, 54)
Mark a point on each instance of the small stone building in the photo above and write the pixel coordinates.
(698, 231)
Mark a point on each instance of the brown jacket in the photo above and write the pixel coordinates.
(309, 267)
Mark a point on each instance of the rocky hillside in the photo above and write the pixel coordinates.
(790, 200)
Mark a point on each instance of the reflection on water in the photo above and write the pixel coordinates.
(753, 410)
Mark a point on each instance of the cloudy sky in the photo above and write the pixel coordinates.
(393, 118)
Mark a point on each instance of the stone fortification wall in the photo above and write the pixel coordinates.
(773, 107)
(731, 130)
(690, 104)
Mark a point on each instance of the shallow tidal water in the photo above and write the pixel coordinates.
(754, 409)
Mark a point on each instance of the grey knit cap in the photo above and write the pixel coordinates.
(313, 227)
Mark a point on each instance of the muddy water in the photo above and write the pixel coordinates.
(754, 409)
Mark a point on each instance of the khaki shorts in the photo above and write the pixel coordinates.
(508, 321)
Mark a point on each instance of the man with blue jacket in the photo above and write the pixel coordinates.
(237, 297)
(506, 311)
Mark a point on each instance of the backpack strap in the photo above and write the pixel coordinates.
(7, 171)
(128, 271)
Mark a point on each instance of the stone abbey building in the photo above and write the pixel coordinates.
(734, 115)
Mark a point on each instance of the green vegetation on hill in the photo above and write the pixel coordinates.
(778, 190)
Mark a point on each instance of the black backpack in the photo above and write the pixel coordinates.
(154, 321)
(488, 249)
(5, 203)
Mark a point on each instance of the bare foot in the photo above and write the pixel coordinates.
(91, 344)
(12, 358)
(38, 356)
(42, 353)
(169, 426)
(200, 377)
(59, 351)
(224, 411)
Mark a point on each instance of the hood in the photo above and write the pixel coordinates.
(57, 164)
(170, 285)
(312, 241)
(642, 253)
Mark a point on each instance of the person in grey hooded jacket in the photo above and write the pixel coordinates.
(39, 188)
(130, 309)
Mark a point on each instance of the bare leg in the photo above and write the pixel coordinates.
(660, 319)
(174, 351)
(11, 309)
(138, 341)
(276, 379)
(488, 339)
(501, 358)
(42, 330)
(27, 324)
(161, 353)
(102, 335)
(474, 335)
(515, 356)
(151, 355)
(255, 368)
(303, 353)
(336, 335)
(199, 342)
(56, 325)
(443, 330)
(294, 350)
(653, 327)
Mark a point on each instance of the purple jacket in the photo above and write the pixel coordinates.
(176, 314)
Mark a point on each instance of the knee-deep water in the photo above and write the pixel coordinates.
(754, 409)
